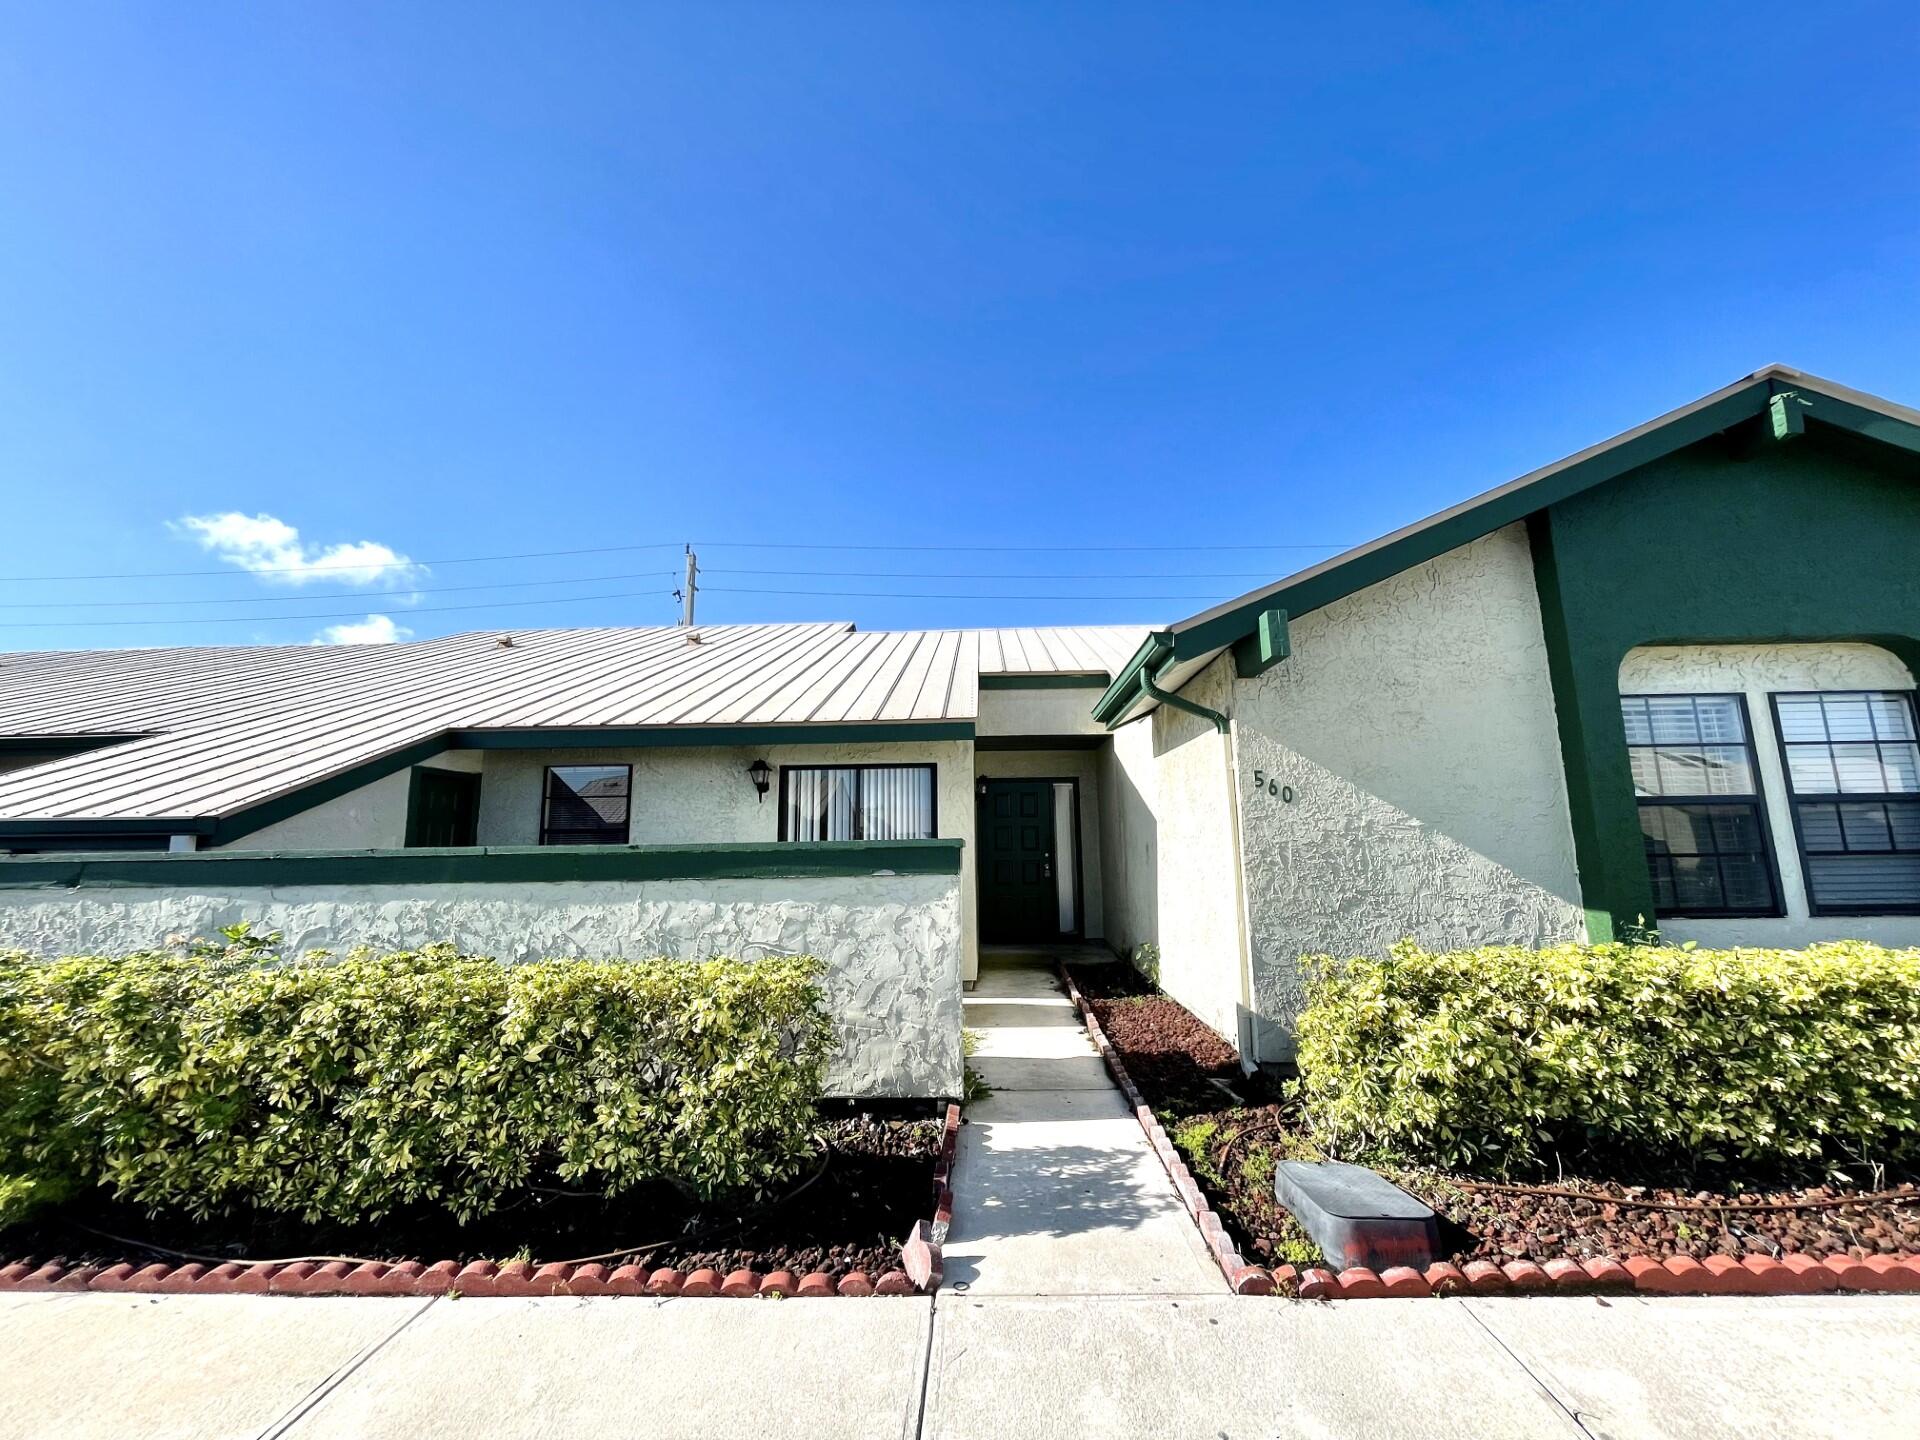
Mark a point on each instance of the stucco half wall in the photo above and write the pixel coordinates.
(891, 943)
(1400, 774)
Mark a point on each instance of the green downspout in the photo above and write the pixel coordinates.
(1149, 686)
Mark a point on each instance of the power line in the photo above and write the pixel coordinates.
(332, 594)
(305, 569)
(359, 614)
(921, 595)
(1005, 574)
(1022, 549)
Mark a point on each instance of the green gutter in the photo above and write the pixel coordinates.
(1141, 681)
(1149, 685)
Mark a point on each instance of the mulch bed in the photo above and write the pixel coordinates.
(1233, 1143)
(849, 1212)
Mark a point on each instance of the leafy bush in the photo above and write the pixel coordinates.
(206, 1079)
(1494, 1056)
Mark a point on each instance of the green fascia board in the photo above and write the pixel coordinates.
(1428, 539)
(1125, 689)
(482, 865)
(95, 825)
(1089, 681)
(228, 828)
(857, 733)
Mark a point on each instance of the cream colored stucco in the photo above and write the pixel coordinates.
(1081, 765)
(373, 817)
(890, 942)
(1757, 672)
(1414, 728)
(1038, 712)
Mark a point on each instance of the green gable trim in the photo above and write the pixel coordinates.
(1746, 401)
(1809, 541)
(519, 864)
(1045, 682)
(228, 828)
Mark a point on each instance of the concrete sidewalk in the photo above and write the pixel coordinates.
(1056, 1190)
(957, 1367)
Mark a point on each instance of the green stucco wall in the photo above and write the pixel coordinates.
(1814, 538)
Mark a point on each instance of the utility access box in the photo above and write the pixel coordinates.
(1357, 1216)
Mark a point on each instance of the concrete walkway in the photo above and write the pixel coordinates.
(1056, 1190)
(956, 1367)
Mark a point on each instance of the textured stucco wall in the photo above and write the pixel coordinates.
(891, 943)
(1129, 839)
(1758, 671)
(1081, 765)
(1200, 903)
(1415, 725)
(697, 795)
(681, 796)
(1038, 712)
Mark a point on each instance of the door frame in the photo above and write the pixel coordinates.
(417, 781)
(1079, 931)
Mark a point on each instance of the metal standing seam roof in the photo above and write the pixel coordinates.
(224, 728)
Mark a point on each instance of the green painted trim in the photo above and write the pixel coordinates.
(132, 825)
(59, 746)
(483, 865)
(1812, 541)
(638, 737)
(1091, 681)
(1269, 644)
(228, 828)
(1112, 706)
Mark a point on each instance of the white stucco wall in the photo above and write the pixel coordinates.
(1758, 671)
(1170, 878)
(681, 796)
(1415, 725)
(891, 943)
(1081, 765)
(1039, 712)
(700, 795)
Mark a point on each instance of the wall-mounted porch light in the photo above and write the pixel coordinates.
(760, 773)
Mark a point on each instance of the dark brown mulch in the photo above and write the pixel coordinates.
(857, 1206)
(1174, 1058)
(1499, 1226)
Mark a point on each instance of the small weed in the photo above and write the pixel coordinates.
(970, 1042)
(972, 1088)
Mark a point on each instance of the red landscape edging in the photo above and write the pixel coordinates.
(919, 1273)
(1787, 1274)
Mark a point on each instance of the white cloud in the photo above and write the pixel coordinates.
(374, 630)
(267, 546)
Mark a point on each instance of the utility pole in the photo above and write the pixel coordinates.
(687, 591)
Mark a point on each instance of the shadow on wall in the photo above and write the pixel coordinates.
(1130, 858)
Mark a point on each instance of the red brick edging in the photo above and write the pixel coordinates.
(1790, 1274)
(919, 1258)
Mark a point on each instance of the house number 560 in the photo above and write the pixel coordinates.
(1265, 782)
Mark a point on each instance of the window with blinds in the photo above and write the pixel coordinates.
(1853, 773)
(1702, 819)
(857, 802)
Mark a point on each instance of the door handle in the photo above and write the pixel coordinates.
(1046, 869)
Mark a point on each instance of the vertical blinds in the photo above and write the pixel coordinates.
(859, 802)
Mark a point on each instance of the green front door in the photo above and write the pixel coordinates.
(443, 807)
(1019, 897)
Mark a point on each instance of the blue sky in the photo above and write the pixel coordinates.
(465, 280)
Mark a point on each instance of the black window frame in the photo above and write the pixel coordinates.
(932, 769)
(1795, 799)
(546, 784)
(1757, 802)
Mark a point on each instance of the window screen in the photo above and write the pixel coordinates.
(856, 802)
(1702, 820)
(586, 805)
(1853, 768)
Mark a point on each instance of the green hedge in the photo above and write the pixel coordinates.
(342, 1089)
(1499, 1056)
